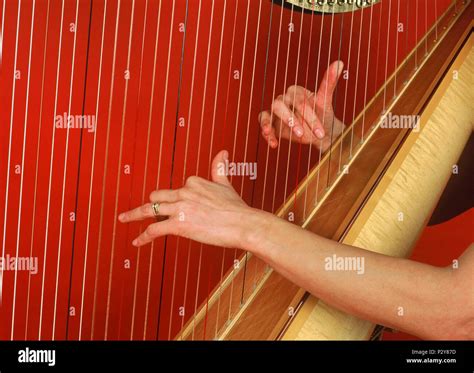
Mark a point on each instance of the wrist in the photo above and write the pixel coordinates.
(254, 227)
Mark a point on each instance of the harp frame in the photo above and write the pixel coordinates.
(264, 315)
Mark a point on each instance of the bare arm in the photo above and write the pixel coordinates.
(435, 303)
(430, 302)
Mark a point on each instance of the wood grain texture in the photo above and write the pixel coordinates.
(412, 185)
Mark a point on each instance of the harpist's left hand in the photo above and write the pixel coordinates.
(204, 211)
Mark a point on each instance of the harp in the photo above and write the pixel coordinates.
(104, 101)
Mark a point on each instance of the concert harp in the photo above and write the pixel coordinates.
(104, 101)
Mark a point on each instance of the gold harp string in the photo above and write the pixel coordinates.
(215, 111)
(137, 119)
(396, 50)
(222, 143)
(314, 106)
(32, 235)
(281, 126)
(101, 219)
(119, 165)
(259, 138)
(354, 107)
(324, 105)
(198, 158)
(249, 112)
(367, 71)
(186, 148)
(242, 69)
(40, 329)
(7, 184)
(346, 89)
(25, 131)
(176, 120)
(335, 101)
(89, 206)
(150, 116)
(293, 105)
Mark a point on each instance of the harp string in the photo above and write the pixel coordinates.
(396, 50)
(25, 131)
(256, 260)
(242, 70)
(249, 117)
(356, 88)
(322, 17)
(335, 104)
(135, 137)
(89, 205)
(416, 34)
(9, 146)
(119, 165)
(324, 104)
(226, 107)
(281, 126)
(386, 58)
(285, 194)
(188, 127)
(150, 116)
(64, 173)
(27, 316)
(199, 157)
(367, 70)
(214, 115)
(101, 219)
(50, 176)
(181, 64)
(346, 89)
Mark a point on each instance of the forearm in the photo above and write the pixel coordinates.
(385, 290)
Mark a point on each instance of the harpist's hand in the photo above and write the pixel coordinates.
(205, 211)
(307, 116)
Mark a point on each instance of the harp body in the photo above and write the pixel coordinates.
(163, 86)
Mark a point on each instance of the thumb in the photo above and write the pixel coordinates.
(219, 167)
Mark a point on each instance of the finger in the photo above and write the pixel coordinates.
(164, 196)
(271, 138)
(304, 107)
(154, 231)
(218, 168)
(329, 83)
(283, 112)
(146, 211)
(299, 90)
(265, 120)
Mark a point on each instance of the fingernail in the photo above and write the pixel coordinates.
(135, 242)
(121, 217)
(298, 131)
(320, 134)
(226, 155)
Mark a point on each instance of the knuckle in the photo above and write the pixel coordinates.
(192, 181)
(150, 230)
(145, 208)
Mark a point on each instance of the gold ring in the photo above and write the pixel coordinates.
(156, 209)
